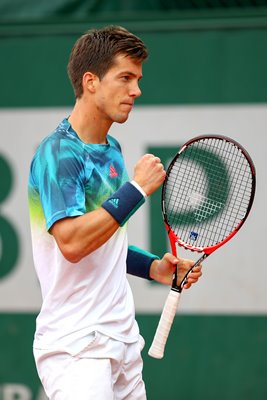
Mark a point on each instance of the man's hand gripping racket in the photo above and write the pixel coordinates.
(206, 197)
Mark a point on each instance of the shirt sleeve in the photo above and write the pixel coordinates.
(139, 261)
(58, 176)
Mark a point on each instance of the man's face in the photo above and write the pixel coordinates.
(117, 90)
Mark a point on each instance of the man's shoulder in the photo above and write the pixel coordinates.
(114, 142)
(57, 139)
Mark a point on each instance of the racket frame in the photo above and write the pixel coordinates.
(173, 238)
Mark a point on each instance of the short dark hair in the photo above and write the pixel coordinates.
(96, 50)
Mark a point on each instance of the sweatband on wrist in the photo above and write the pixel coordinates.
(139, 261)
(139, 188)
(124, 202)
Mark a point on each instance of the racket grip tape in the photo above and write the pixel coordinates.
(165, 323)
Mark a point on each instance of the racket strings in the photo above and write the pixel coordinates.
(241, 182)
(207, 192)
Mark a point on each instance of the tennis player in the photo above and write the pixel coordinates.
(87, 344)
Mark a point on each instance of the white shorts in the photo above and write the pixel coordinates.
(105, 369)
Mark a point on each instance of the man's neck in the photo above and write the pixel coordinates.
(87, 125)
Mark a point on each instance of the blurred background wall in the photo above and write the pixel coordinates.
(207, 73)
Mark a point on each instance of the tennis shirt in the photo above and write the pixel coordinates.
(67, 179)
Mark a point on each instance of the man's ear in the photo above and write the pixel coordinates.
(89, 82)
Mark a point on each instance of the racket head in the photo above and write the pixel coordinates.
(208, 193)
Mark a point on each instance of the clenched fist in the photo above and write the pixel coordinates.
(149, 173)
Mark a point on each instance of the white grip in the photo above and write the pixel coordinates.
(170, 307)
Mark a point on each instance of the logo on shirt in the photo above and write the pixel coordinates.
(112, 172)
(114, 202)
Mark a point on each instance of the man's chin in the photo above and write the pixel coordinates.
(121, 119)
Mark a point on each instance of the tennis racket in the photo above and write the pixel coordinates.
(206, 197)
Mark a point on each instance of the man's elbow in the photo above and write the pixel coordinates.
(69, 248)
(70, 252)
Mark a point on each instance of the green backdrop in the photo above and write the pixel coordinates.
(191, 61)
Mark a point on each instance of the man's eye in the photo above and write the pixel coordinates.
(126, 78)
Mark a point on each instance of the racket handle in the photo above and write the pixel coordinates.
(158, 345)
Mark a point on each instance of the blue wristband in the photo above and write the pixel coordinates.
(139, 261)
(124, 202)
